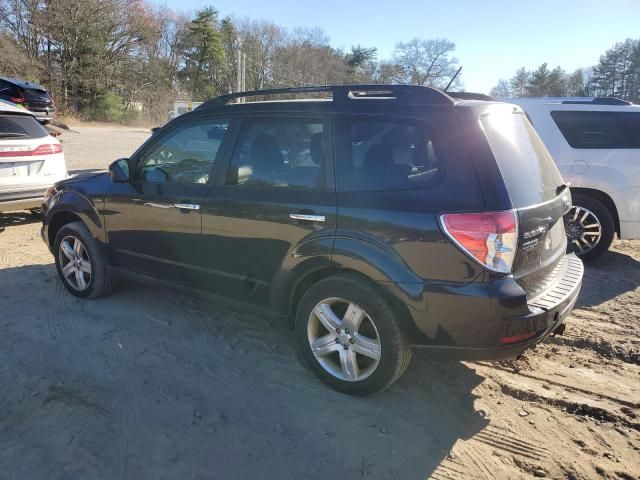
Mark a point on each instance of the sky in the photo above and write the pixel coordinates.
(493, 37)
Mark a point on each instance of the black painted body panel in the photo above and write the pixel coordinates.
(242, 244)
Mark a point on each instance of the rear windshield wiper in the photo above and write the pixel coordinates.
(12, 135)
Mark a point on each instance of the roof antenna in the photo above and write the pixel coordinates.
(453, 78)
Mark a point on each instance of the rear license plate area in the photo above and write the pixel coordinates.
(20, 169)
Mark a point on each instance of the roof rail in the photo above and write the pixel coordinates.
(405, 94)
(471, 96)
(598, 101)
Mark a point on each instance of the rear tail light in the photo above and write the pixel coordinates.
(490, 238)
(47, 149)
(23, 151)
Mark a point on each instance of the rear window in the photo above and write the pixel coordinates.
(527, 168)
(590, 130)
(388, 154)
(20, 126)
(33, 94)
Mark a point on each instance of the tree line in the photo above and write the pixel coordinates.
(617, 74)
(103, 59)
(128, 60)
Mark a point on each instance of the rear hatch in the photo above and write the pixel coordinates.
(36, 99)
(537, 192)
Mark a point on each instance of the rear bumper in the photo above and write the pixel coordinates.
(545, 323)
(22, 199)
(44, 115)
(493, 320)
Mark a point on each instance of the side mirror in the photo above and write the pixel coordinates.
(155, 130)
(119, 170)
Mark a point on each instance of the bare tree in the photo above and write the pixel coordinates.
(21, 18)
(426, 62)
(260, 41)
(502, 90)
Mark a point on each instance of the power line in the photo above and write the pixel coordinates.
(274, 80)
(273, 72)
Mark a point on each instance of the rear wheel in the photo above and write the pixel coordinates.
(81, 262)
(590, 227)
(350, 337)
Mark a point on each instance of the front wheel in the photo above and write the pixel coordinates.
(350, 337)
(81, 262)
(590, 227)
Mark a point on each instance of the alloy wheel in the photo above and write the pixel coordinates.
(344, 339)
(75, 264)
(583, 229)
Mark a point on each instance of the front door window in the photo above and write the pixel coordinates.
(185, 155)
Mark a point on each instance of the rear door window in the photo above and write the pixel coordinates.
(527, 168)
(279, 152)
(20, 126)
(387, 154)
(593, 130)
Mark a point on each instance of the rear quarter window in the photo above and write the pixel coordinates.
(20, 126)
(387, 153)
(527, 168)
(596, 130)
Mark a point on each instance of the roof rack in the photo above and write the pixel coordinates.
(597, 101)
(471, 96)
(403, 94)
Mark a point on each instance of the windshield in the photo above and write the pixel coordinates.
(527, 167)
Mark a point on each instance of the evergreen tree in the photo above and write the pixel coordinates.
(204, 55)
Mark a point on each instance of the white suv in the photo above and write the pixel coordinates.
(31, 160)
(596, 144)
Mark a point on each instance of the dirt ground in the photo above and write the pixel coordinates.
(153, 384)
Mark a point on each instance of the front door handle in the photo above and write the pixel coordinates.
(306, 217)
(157, 205)
(186, 206)
(180, 206)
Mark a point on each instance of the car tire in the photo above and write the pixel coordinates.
(594, 212)
(81, 262)
(344, 358)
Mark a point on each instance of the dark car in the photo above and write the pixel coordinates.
(380, 219)
(30, 95)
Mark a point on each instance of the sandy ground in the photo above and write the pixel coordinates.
(94, 147)
(153, 384)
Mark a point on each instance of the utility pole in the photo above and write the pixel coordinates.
(244, 72)
(241, 73)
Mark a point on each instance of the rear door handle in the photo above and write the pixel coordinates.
(306, 217)
(186, 206)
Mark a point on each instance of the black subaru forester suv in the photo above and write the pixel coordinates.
(378, 217)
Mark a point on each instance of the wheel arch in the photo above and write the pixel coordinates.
(603, 198)
(73, 207)
(397, 304)
(59, 220)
